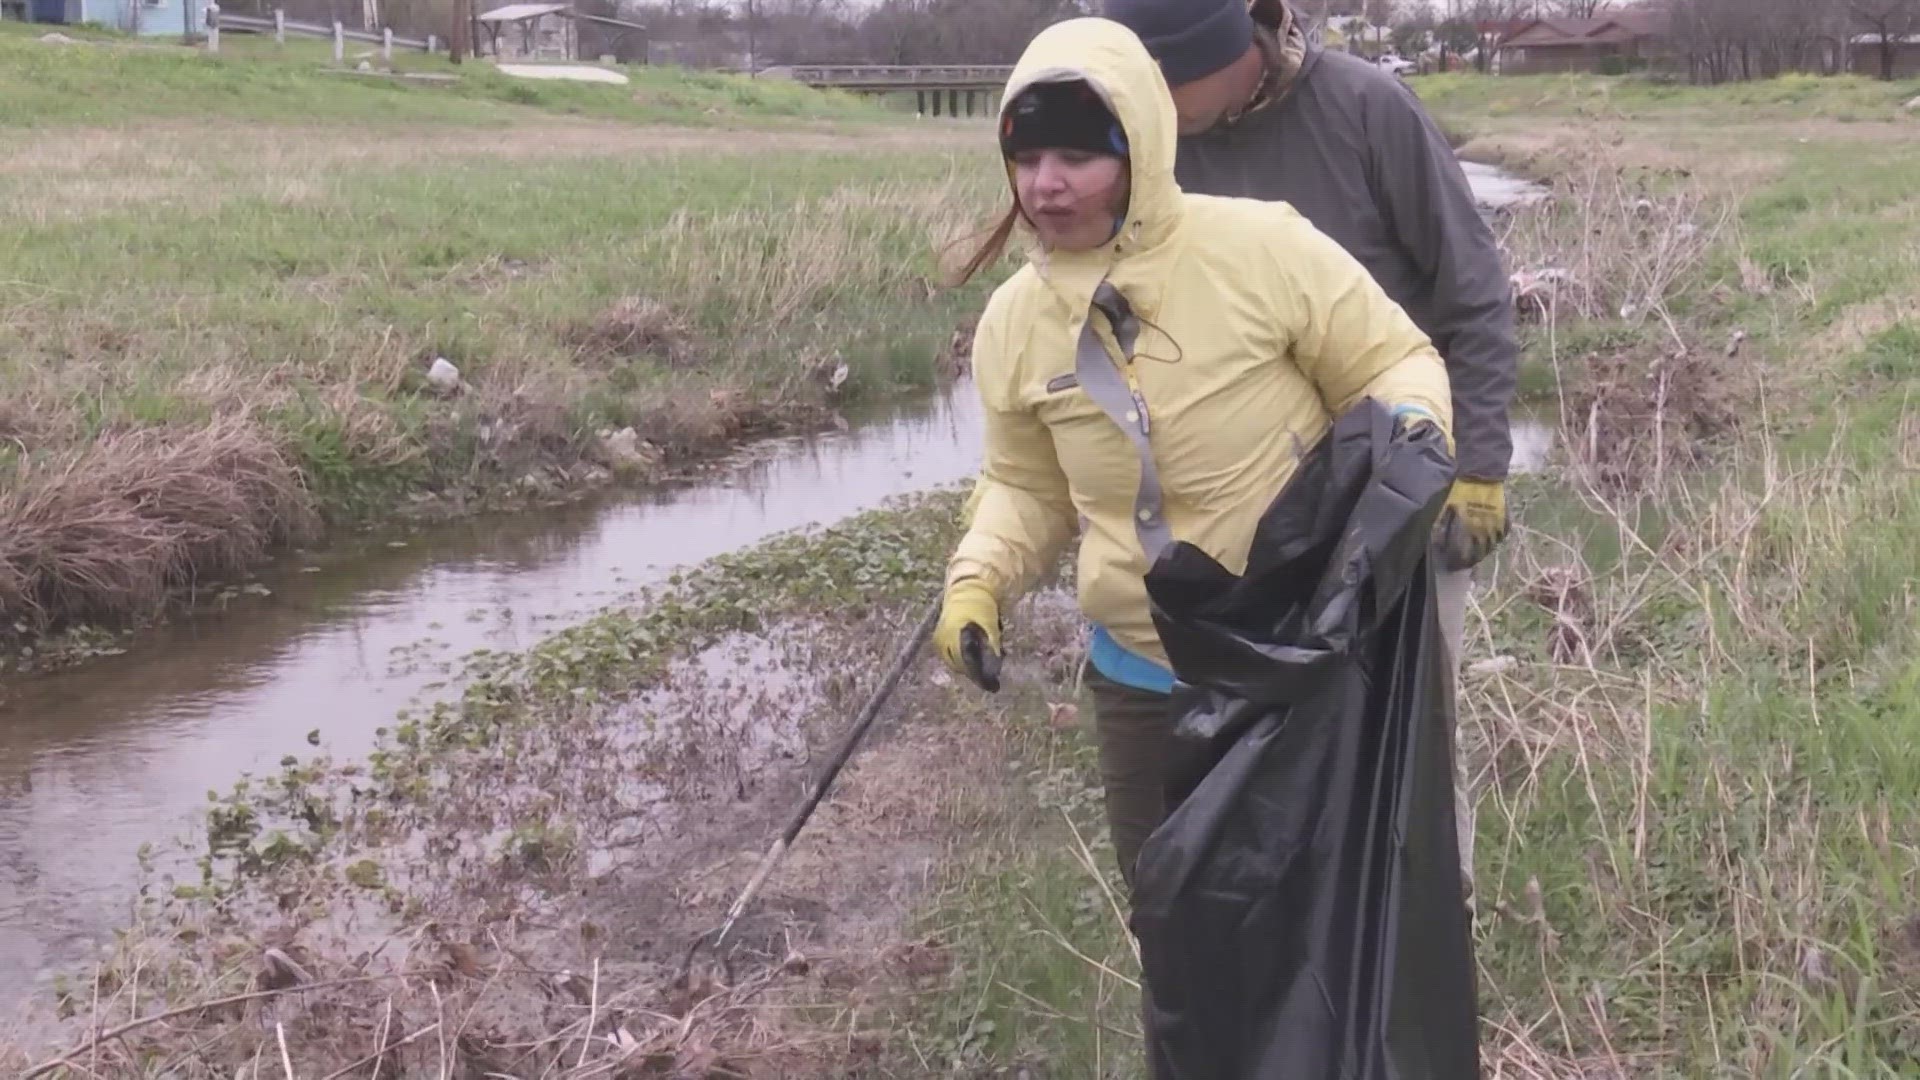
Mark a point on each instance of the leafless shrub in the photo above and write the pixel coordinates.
(1616, 247)
(1633, 419)
(1614, 243)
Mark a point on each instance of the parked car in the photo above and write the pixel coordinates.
(1399, 65)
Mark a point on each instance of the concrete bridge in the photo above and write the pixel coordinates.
(960, 87)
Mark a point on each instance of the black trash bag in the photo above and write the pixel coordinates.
(1302, 914)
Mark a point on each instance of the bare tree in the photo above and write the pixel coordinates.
(1492, 21)
(1722, 40)
(1887, 22)
(1709, 35)
(1413, 33)
(1801, 35)
(1380, 16)
(806, 31)
(1578, 9)
(996, 31)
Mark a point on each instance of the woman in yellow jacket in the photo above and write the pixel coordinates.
(1153, 374)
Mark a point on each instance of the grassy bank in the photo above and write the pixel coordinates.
(245, 267)
(106, 78)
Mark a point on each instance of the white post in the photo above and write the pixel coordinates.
(386, 44)
(279, 26)
(212, 17)
(339, 43)
(433, 44)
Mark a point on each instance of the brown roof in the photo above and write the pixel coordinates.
(1645, 21)
(1548, 32)
(1620, 28)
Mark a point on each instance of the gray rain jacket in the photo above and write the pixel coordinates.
(1351, 148)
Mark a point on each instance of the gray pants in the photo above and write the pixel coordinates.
(1138, 752)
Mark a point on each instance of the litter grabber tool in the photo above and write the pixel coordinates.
(848, 744)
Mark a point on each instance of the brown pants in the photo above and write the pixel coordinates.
(1139, 754)
(1138, 757)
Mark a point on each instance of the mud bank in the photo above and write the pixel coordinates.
(533, 859)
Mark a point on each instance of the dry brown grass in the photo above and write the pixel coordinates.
(1587, 736)
(1632, 419)
(467, 1010)
(1857, 324)
(635, 327)
(110, 532)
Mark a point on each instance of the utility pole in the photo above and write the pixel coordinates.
(753, 50)
(460, 39)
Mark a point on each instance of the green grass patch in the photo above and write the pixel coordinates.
(113, 79)
(1632, 97)
(1893, 354)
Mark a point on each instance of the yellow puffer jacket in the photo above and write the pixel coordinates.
(1253, 331)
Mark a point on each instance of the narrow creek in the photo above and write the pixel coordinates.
(99, 760)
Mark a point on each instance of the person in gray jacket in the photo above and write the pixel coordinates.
(1264, 114)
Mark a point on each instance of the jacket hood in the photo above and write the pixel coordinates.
(1111, 59)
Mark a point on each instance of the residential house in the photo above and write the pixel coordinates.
(1868, 55)
(174, 17)
(1632, 40)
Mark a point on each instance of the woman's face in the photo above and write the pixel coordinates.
(1072, 197)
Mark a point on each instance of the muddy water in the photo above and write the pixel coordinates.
(99, 760)
(1497, 190)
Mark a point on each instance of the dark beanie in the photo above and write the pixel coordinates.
(1190, 38)
(1060, 116)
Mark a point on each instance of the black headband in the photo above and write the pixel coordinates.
(1060, 116)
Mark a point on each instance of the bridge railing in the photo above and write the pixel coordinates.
(899, 75)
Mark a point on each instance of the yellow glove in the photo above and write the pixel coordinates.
(968, 633)
(1474, 522)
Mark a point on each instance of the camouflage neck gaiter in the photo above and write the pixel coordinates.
(1283, 46)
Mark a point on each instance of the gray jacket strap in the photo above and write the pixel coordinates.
(1104, 382)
